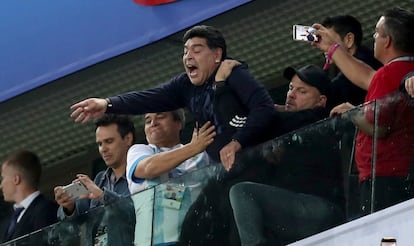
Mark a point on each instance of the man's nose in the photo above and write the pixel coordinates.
(104, 148)
(154, 122)
(188, 55)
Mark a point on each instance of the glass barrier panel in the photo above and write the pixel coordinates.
(314, 160)
(203, 207)
(392, 118)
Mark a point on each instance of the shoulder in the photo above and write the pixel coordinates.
(139, 149)
(181, 79)
(242, 69)
(240, 77)
(41, 202)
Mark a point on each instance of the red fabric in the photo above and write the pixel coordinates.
(153, 2)
(395, 152)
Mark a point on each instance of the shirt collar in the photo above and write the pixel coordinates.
(28, 200)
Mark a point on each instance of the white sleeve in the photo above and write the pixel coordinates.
(135, 154)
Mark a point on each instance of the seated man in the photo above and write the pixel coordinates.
(162, 159)
(305, 195)
(114, 135)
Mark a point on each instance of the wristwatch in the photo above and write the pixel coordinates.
(108, 103)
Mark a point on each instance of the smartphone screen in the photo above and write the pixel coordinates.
(304, 33)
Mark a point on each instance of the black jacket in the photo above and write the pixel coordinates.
(40, 213)
(252, 100)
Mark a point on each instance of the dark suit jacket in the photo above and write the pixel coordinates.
(40, 213)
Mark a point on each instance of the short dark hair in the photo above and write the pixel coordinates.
(179, 115)
(213, 36)
(28, 165)
(398, 24)
(343, 24)
(124, 123)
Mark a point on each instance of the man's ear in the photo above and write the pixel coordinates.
(129, 139)
(388, 41)
(218, 53)
(349, 40)
(322, 100)
(17, 179)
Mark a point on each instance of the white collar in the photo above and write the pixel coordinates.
(28, 200)
(402, 58)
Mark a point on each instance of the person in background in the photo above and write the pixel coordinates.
(348, 29)
(20, 177)
(303, 197)
(394, 152)
(164, 159)
(114, 135)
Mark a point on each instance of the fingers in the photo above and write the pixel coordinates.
(227, 159)
(228, 154)
(317, 26)
(340, 109)
(83, 178)
(207, 130)
(230, 63)
(76, 112)
(88, 109)
(61, 197)
(409, 86)
(80, 114)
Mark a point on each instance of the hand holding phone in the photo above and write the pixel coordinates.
(75, 189)
(304, 33)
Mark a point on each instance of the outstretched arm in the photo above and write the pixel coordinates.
(88, 109)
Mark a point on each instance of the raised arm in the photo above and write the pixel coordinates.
(355, 70)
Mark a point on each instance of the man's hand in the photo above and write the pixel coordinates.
(341, 108)
(280, 108)
(64, 200)
(225, 69)
(409, 86)
(203, 137)
(88, 109)
(326, 38)
(228, 154)
(94, 191)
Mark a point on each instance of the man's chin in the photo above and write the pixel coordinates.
(196, 81)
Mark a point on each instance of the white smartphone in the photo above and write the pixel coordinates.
(75, 189)
(304, 33)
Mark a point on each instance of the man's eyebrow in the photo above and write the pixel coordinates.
(194, 45)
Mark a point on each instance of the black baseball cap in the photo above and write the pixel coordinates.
(311, 75)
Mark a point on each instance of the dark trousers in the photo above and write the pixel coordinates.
(210, 221)
(268, 215)
(388, 191)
